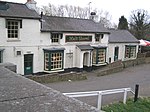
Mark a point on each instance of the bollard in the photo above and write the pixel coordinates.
(136, 92)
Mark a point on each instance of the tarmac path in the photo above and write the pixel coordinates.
(129, 77)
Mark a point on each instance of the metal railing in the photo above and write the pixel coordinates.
(100, 94)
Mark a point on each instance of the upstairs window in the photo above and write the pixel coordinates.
(13, 27)
(98, 37)
(56, 37)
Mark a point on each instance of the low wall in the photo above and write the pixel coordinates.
(56, 77)
(111, 68)
(147, 60)
(9, 66)
(134, 62)
(120, 65)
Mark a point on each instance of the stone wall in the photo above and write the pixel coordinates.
(56, 77)
(134, 62)
(120, 65)
(111, 68)
(9, 66)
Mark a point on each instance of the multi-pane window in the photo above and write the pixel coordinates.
(46, 59)
(130, 51)
(13, 29)
(94, 56)
(99, 56)
(56, 61)
(55, 38)
(53, 60)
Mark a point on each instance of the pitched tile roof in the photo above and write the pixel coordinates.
(121, 36)
(16, 10)
(66, 24)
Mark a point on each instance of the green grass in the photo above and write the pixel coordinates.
(142, 105)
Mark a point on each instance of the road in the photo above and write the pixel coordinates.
(129, 77)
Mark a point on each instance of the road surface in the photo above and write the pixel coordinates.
(129, 77)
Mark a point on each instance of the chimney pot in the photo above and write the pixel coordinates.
(31, 4)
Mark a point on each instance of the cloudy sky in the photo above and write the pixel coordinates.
(116, 8)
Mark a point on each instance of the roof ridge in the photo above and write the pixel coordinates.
(68, 17)
(13, 2)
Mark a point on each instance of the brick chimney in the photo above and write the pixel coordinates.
(31, 4)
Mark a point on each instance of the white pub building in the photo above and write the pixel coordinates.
(51, 44)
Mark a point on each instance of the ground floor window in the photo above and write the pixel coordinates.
(130, 51)
(99, 55)
(53, 60)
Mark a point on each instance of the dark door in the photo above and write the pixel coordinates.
(28, 64)
(116, 53)
(0, 56)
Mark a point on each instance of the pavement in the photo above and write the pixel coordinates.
(129, 77)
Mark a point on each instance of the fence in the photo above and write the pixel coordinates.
(100, 94)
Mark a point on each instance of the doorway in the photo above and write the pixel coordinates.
(86, 61)
(28, 64)
(116, 53)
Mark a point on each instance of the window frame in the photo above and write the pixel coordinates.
(56, 36)
(98, 37)
(48, 63)
(131, 48)
(97, 55)
(11, 29)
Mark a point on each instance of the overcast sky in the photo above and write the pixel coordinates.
(116, 8)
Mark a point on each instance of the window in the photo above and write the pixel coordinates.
(99, 56)
(56, 61)
(130, 51)
(55, 38)
(13, 27)
(94, 56)
(98, 37)
(53, 60)
(46, 59)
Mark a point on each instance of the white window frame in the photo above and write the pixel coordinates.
(56, 60)
(13, 29)
(54, 37)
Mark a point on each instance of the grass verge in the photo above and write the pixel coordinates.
(142, 105)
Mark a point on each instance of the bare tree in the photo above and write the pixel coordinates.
(139, 23)
(103, 17)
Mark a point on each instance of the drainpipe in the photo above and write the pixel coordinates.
(41, 20)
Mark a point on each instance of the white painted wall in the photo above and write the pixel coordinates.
(29, 42)
(111, 48)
